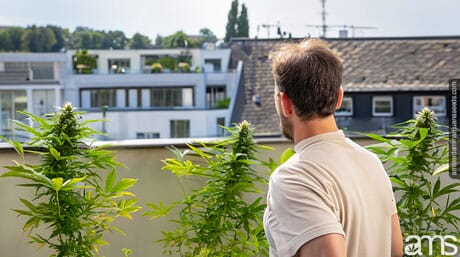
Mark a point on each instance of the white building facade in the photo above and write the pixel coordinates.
(31, 82)
(135, 102)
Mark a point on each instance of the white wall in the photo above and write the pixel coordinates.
(125, 124)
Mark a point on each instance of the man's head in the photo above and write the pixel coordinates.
(309, 74)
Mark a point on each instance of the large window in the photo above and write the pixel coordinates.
(156, 97)
(91, 98)
(435, 103)
(382, 106)
(171, 97)
(11, 101)
(214, 94)
(179, 128)
(346, 109)
(119, 65)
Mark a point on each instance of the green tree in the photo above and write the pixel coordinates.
(207, 36)
(38, 39)
(231, 27)
(71, 201)
(139, 41)
(178, 40)
(158, 41)
(114, 39)
(62, 37)
(5, 43)
(243, 23)
(11, 39)
(15, 35)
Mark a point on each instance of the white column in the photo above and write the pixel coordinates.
(58, 97)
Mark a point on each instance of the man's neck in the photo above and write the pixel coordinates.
(312, 127)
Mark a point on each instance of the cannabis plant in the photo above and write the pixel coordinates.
(73, 204)
(415, 154)
(224, 217)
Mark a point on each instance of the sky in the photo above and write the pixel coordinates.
(386, 18)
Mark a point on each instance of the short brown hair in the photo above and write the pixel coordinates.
(310, 74)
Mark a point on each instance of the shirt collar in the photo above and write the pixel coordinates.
(321, 137)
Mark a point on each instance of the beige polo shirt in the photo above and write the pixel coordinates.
(331, 185)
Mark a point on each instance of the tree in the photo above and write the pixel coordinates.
(177, 40)
(62, 37)
(10, 39)
(207, 36)
(158, 41)
(38, 39)
(115, 39)
(5, 43)
(243, 23)
(139, 41)
(232, 21)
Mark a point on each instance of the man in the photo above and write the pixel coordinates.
(332, 198)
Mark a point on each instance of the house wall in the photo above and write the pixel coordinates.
(126, 124)
(363, 119)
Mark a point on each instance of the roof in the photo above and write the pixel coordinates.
(370, 64)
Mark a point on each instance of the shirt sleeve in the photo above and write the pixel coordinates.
(300, 208)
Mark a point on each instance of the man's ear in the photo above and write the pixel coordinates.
(286, 105)
(339, 98)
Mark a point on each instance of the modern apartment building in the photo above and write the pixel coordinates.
(191, 97)
(31, 82)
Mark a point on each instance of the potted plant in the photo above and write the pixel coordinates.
(157, 67)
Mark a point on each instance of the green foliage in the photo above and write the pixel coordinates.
(224, 217)
(416, 154)
(243, 23)
(139, 41)
(183, 67)
(232, 19)
(237, 25)
(38, 39)
(168, 62)
(207, 36)
(178, 40)
(71, 202)
(84, 63)
(222, 104)
(157, 68)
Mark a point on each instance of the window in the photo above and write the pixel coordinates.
(42, 70)
(382, 106)
(43, 101)
(220, 122)
(119, 66)
(346, 109)
(179, 128)
(171, 97)
(212, 65)
(92, 98)
(435, 103)
(11, 101)
(214, 94)
(146, 135)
